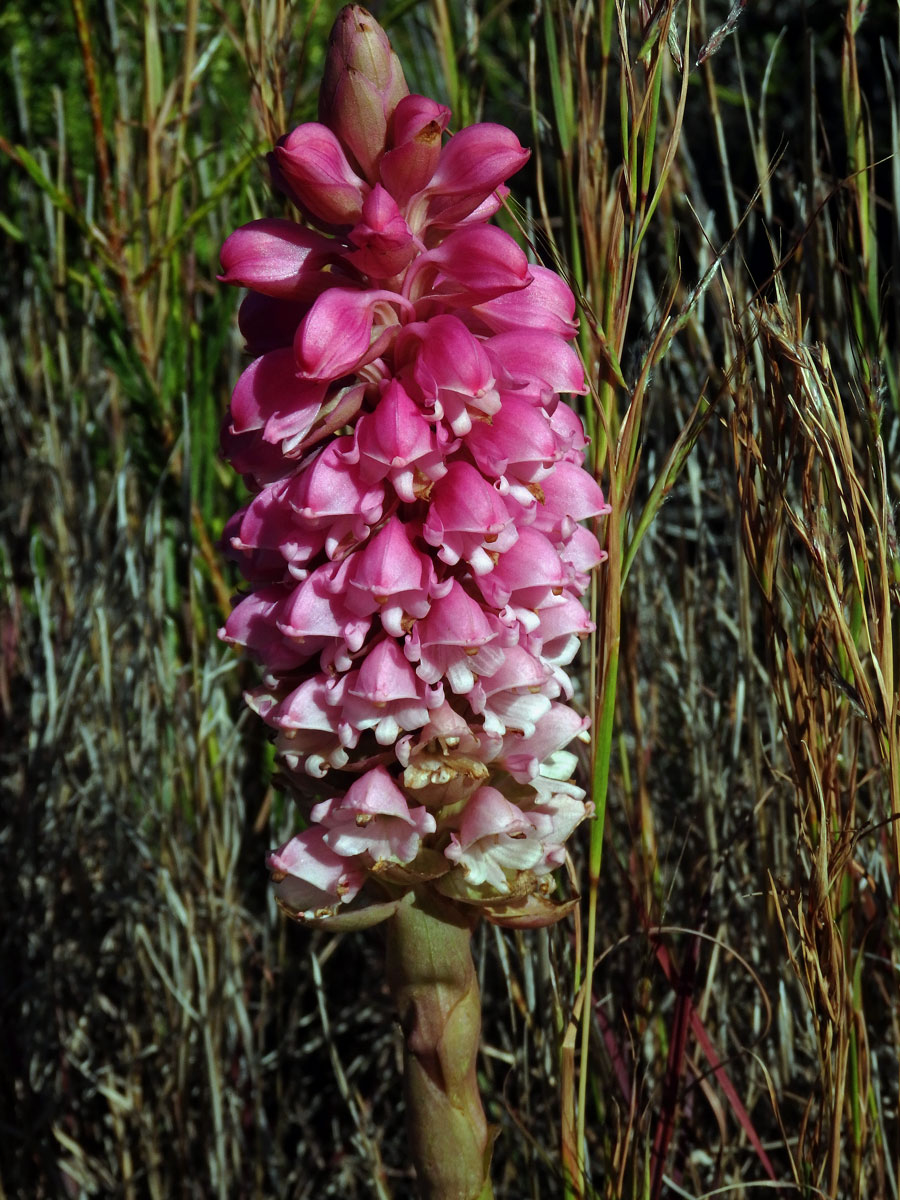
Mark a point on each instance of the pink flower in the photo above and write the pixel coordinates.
(467, 520)
(383, 239)
(495, 838)
(277, 258)
(374, 818)
(315, 166)
(311, 878)
(413, 546)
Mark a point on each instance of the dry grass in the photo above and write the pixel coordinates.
(724, 1013)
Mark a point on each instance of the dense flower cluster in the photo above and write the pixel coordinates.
(413, 546)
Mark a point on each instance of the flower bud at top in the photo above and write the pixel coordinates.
(362, 84)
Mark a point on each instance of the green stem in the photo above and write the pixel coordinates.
(432, 979)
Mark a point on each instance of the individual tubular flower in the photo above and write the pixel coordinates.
(312, 878)
(413, 550)
(374, 818)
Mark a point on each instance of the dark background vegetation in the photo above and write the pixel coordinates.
(163, 1031)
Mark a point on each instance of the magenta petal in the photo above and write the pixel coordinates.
(472, 165)
(314, 611)
(469, 266)
(311, 876)
(414, 114)
(416, 134)
(495, 836)
(396, 442)
(336, 336)
(531, 356)
(523, 757)
(385, 675)
(278, 258)
(389, 563)
(547, 303)
(374, 818)
(528, 573)
(269, 523)
(455, 620)
(313, 162)
(519, 441)
(467, 518)
(390, 573)
(383, 240)
(451, 359)
(570, 495)
(253, 623)
(269, 396)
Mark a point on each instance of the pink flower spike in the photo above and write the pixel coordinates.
(315, 166)
(413, 549)
(374, 818)
(278, 258)
(468, 520)
(472, 165)
(338, 334)
(311, 877)
(494, 837)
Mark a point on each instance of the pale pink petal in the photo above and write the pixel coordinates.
(311, 877)
(494, 837)
(374, 818)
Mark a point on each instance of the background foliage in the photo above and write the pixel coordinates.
(724, 1012)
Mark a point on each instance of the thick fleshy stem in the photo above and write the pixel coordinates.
(433, 982)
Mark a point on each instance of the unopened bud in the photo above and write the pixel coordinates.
(362, 85)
